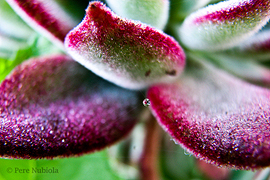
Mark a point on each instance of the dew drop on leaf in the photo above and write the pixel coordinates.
(146, 102)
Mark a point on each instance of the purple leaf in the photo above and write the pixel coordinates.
(125, 52)
(217, 117)
(52, 106)
(225, 24)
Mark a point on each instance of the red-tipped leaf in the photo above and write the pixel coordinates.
(125, 52)
(47, 17)
(217, 117)
(225, 24)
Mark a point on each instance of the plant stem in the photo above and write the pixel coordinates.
(148, 163)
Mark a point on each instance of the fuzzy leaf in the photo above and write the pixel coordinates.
(122, 51)
(52, 106)
(217, 117)
(224, 25)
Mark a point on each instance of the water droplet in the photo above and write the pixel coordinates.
(146, 102)
(63, 140)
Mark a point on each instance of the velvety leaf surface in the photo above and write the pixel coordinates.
(52, 106)
(215, 116)
(152, 12)
(47, 17)
(225, 24)
(125, 52)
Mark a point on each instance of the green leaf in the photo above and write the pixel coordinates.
(152, 12)
(37, 46)
(94, 166)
